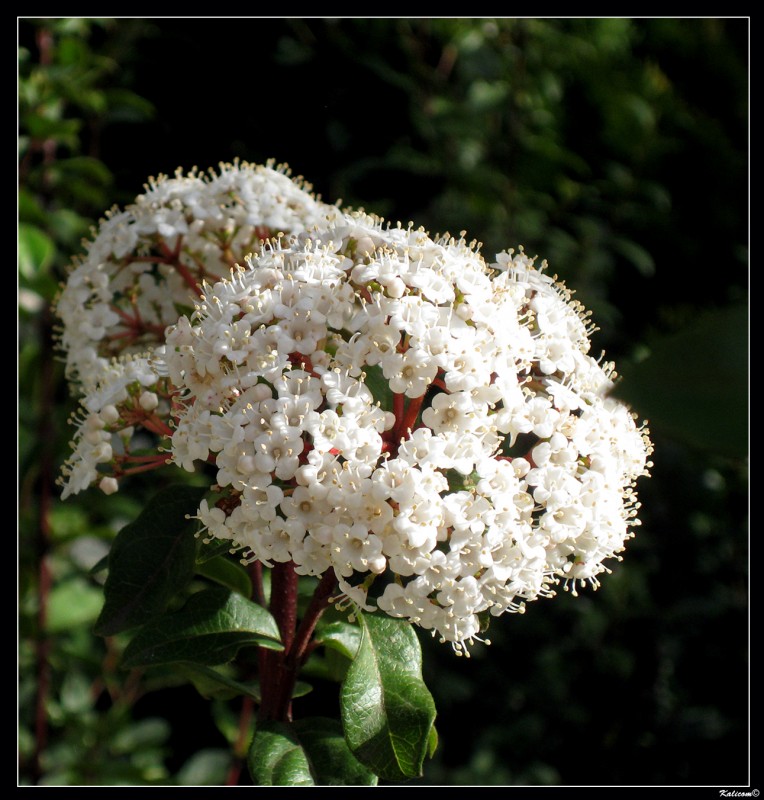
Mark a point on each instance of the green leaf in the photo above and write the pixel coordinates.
(151, 731)
(30, 209)
(227, 573)
(212, 549)
(694, 384)
(432, 742)
(99, 566)
(379, 386)
(309, 752)
(209, 630)
(206, 768)
(76, 694)
(211, 683)
(340, 636)
(36, 251)
(387, 711)
(276, 757)
(86, 167)
(73, 603)
(637, 255)
(150, 561)
(126, 106)
(63, 130)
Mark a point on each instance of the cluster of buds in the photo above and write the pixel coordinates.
(390, 406)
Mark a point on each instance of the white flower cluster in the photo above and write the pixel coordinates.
(392, 408)
(378, 403)
(143, 266)
(141, 271)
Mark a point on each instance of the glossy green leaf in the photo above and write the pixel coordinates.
(309, 752)
(387, 711)
(694, 384)
(209, 629)
(340, 636)
(227, 573)
(340, 640)
(150, 561)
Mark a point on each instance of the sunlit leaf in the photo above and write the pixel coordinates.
(387, 711)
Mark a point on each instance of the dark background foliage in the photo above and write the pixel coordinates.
(617, 149)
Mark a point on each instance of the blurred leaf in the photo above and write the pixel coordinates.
(36, 251)
(150, 561)
(30, 209)
(635, 254)
(208, 767)
(387, 711)
(152, 731)
(226, 721)
(99, 566)
(85, 167)
(76, 693)
(68, 227)
(309, 752)
(65, 131)
(694, 385)
(210, 629)
(73, 603)
(127, 106)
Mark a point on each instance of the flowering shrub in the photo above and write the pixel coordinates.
(421, 429)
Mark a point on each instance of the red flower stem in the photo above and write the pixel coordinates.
(275, 690)
(143, 459)
(160, 462)
(185, 273)
(398, 408)
(279, 669)
(173, 259)
(318, 604)
(151, 422)
(132, 322)
(409, 418)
